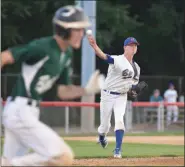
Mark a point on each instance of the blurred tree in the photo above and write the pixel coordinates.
(169, 22)
(12, 12)
(158, 26)
(113, 21)
(162, 39)
(25, 20)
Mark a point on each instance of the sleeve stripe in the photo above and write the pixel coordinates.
(109, 59)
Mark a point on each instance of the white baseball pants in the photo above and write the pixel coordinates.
(24, 131)
(172, 109)
(108, 104)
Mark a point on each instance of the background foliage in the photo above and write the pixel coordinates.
(158, 26)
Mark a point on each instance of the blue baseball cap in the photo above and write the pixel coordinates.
(130, 40)
(170, 84)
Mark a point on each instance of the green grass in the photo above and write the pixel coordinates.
(84, 149)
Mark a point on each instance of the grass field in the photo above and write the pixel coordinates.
(89, 149)
(134, 154)
(85, 149)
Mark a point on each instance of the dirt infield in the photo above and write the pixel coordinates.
(175, 140)
(153, 161)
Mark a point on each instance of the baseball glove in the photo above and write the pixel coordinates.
(137, 90)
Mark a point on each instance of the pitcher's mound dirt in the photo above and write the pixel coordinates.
(154, 161)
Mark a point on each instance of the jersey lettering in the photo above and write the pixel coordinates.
(44, 83)
(126, 74)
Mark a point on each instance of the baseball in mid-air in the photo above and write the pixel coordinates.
(89, 32)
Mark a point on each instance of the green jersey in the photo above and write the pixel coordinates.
(43, 64)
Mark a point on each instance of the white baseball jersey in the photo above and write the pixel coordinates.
(171, 95)
(121, 74)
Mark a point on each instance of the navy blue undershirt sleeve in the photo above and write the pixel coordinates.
(109, 59)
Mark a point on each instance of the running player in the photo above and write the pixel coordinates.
(43, 61)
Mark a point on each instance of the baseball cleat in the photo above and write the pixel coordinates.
(117, 153)
(103, 143)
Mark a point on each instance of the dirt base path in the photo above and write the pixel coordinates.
(175, 140)
(153, 161)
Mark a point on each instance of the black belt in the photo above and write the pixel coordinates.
(113, 93)
(30, 101)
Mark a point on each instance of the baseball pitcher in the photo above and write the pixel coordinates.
(43, 61)
(122, 79)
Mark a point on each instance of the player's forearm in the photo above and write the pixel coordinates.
(70, 92)
(100, 53)
(96, 48)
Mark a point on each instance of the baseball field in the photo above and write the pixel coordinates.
(138, 150)
(166, 149)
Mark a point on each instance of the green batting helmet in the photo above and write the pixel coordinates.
(67, 18)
